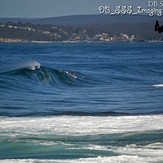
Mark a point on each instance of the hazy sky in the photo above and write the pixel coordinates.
(52, 8)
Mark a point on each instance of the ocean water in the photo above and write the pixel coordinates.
(81, 102)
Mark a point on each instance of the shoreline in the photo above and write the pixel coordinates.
(65, 41)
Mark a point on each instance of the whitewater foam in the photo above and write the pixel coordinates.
(83, 125)
(157, 85)
(112, 159)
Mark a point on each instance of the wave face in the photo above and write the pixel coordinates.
(33, 80)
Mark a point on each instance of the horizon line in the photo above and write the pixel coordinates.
(71, 16)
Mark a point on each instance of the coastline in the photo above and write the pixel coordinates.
(66, 41)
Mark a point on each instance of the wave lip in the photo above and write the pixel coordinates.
(10, 67)
(33, 65)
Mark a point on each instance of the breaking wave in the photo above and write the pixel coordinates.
(37, 72)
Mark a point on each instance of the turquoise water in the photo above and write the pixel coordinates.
(82, 102)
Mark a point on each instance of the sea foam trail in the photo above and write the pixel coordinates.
(157, 85)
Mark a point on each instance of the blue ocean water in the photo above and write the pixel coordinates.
(81, 102)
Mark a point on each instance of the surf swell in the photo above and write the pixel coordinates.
(36, 72)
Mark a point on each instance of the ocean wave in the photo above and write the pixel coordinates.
(35, 71)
